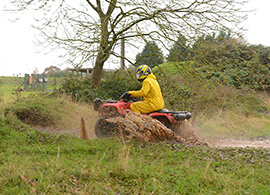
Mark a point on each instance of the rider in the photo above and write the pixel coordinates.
(150, 91)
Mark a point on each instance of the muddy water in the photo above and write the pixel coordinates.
(146, 129)
(239, 143)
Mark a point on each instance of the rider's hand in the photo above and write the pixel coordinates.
(125, 95)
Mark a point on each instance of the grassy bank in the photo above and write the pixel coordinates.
(238, 120)
(33, 162)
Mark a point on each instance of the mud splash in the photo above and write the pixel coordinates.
(147, 129)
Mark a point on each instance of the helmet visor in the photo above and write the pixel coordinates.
(139, 74)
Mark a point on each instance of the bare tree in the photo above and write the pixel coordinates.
(35, 71)
(93, 29)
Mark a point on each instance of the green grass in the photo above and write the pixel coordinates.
(34, 162)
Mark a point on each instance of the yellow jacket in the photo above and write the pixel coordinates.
(151, 93)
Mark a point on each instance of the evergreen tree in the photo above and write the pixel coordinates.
(151, 55)
(223, 36)
(179, 51)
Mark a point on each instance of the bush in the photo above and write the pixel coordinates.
(190, 92)
(181, 91)
(79, 89)
(113, 85)
(117, 82)
(234, 63)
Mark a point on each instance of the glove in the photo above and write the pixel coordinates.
(125, 96)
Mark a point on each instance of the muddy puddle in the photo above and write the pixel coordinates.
(237, 143)
(146, 129)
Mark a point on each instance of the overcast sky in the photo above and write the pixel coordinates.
(18, 53)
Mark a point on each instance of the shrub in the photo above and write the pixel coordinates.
(181, 91)
(113, 85)
(117, 82)
(234, 63)
(79, 89)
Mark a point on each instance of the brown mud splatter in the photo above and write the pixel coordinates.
(147, 129)
(144, 128)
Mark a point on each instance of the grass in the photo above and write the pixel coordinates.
(34, 162)
(59, 115)
(234, 125)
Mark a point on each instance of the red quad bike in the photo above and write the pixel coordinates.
(112, 108)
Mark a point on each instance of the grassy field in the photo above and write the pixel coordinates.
(9, 86)
(53, 160)
(34, 162)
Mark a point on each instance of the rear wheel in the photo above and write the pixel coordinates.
(104, 128)
(164, 121)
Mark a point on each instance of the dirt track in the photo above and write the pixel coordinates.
(210, 141)
(242, 143)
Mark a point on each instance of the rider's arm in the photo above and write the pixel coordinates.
(143, 91)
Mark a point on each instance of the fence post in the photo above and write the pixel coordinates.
(26, 82)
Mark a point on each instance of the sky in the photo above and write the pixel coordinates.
(19, 56)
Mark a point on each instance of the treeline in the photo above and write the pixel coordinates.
(216, 72)
(217, 57)
(220, 57)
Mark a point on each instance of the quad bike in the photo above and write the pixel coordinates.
(112, 108)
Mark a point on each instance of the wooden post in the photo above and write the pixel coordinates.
(84, 134)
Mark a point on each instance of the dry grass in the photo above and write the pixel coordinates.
(233, 125)
(70, 119)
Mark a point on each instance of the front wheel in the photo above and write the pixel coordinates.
(104, 128)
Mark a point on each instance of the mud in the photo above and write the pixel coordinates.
(147, 129)
(237, 143)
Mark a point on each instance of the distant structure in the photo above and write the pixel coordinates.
(85, 71)
(35, 81)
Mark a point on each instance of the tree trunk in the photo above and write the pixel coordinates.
(123, 54)
(104, 49)
(96, 74)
